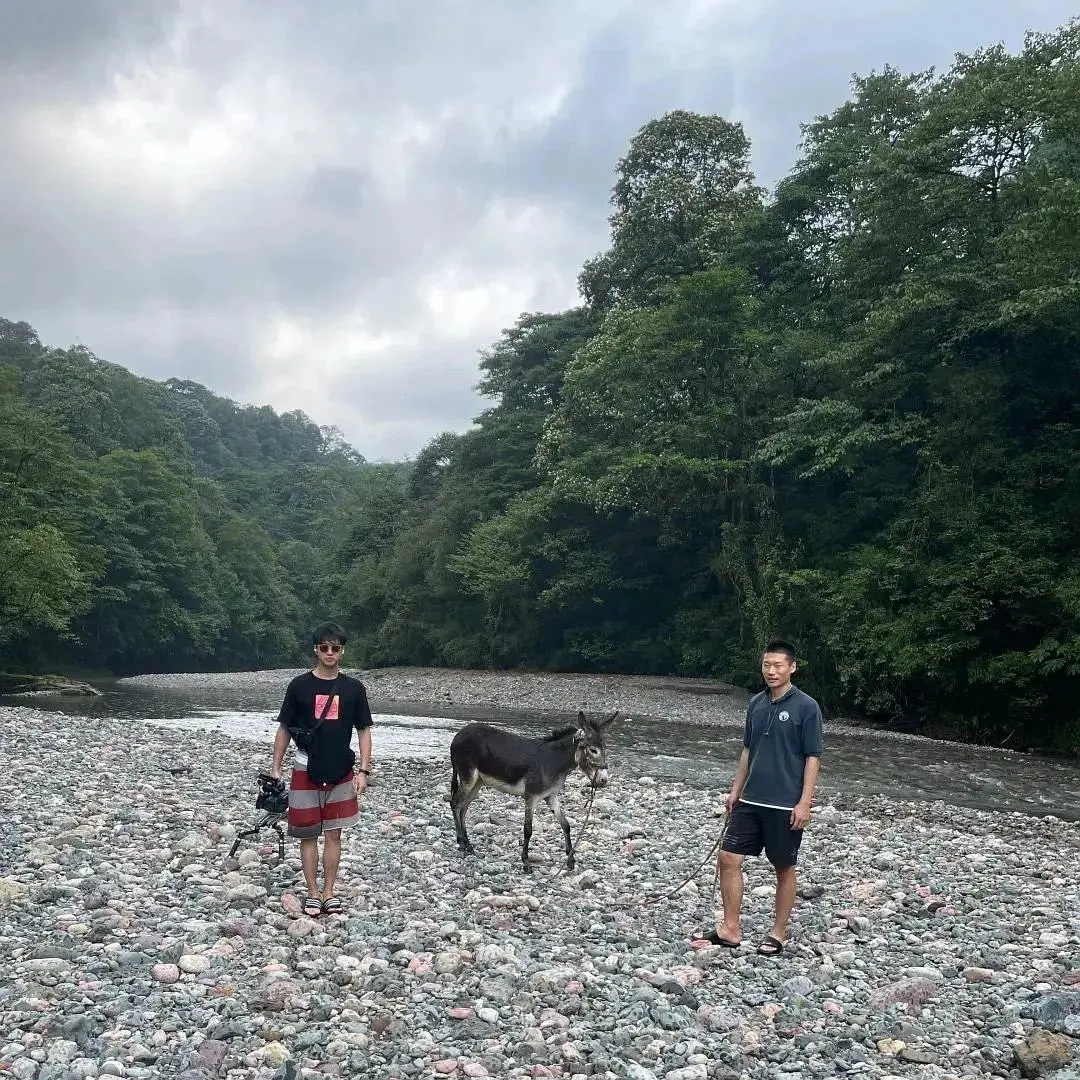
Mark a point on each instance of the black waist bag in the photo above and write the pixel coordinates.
(327, 764)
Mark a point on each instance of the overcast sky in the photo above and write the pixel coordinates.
(335, 206)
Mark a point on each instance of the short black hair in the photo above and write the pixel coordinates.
(781, 646)
(329, 632)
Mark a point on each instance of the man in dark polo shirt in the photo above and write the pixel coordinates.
(769, 803)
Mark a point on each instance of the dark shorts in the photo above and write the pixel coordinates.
(752, 829)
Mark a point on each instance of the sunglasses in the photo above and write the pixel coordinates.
(330, 648)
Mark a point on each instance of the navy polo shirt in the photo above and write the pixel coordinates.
(780, 736)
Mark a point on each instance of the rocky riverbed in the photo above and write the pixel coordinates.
(930, 942)
(690, 700)
(684, 700)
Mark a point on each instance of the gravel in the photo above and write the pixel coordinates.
(932, 941)
(683, 700)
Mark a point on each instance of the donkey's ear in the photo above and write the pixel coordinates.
(582, 720)
(609, 721)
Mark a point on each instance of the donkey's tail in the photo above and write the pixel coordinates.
(453, 783)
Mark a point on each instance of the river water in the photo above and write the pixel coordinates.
(854, 762)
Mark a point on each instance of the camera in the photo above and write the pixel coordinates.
(273, 801)
(272, 797)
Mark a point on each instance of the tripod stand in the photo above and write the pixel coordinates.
(274, 800)
(270, 821)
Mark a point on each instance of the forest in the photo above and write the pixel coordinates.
(845, 411)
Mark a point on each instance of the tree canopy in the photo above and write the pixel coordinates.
(845, 411)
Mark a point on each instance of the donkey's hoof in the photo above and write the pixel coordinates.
(467, 849)
(526, 867)
(570, 863)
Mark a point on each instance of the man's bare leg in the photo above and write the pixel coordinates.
(331, 861)
(785, 901)
(731, 893)
(309, 860)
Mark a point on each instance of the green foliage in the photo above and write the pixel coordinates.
(846, 412)
(155, 526)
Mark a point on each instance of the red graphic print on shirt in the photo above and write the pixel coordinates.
(320, 704)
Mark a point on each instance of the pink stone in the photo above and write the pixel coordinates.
(978, 975)
(446, 1067)
(573, 987)
(833, 1007)
(541, 1070)
(685, 975)
(460, 1013)
(165, 973)
(924, 891)
(421, 964)
(909, 991)
(474, 1068)
(700, 943)
(291, 903)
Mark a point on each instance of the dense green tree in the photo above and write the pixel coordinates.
(681, 191)
(846, 412)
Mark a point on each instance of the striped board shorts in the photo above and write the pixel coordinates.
(318, 808)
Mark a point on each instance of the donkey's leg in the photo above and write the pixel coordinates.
(459, 803)
(555, 802)
(530, 802)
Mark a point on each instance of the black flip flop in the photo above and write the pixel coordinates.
(713, 938)
(313, 907)
(770, 947)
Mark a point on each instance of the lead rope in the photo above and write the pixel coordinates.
(716, 873)
(581, 831)
(718, 844)
(588, 812)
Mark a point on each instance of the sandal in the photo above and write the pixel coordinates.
(313, 907)
(713, 938)
(331, 906)
(770, 947)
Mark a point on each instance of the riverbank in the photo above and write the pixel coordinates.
(687, 700)
(938, 941)
(450, 691)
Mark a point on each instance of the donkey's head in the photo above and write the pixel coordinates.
(589, 750)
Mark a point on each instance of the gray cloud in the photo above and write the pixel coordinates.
(336, 206)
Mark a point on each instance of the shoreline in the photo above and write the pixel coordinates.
(703, 702)
(931, 942)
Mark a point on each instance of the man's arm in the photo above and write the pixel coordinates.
(743, 768)
(365, 750)
(362, 721)
(800, 816)
(740, 773)
(282, 736)
(281, 744)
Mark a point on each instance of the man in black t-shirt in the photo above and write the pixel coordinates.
(321, 709)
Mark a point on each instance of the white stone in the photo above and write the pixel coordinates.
(194, 963)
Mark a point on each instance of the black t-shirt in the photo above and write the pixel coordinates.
(305, 699)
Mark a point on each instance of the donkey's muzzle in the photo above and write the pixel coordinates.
(599, 778)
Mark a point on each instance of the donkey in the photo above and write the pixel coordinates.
(534, 769)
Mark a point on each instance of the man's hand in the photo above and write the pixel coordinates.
(800, 816)
(359, 782)
(731, 801)
(275, 771)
